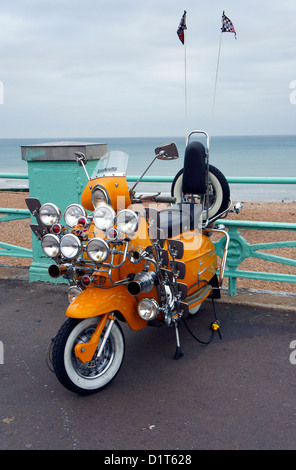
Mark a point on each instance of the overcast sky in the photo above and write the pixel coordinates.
(91, 68)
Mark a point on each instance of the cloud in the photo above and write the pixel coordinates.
(113, 67)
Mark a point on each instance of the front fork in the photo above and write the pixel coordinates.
(85, 351)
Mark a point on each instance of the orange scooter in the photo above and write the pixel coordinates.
(138, 259)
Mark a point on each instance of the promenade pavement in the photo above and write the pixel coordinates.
(235, 393)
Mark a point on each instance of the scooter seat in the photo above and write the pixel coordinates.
(180, 218)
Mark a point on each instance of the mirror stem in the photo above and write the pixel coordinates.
(131, 190)
(87, 175)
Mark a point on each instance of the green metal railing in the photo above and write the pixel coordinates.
(9, 215)
(239, 248)
(14, 250)
(230, 179)
(15, 176)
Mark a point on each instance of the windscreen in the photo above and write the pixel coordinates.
(113, 163)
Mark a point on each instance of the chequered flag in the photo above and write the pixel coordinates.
(227, 25)
(182, 27)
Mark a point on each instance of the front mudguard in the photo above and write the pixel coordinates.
(95, 301)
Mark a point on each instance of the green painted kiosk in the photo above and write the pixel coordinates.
(55, 176)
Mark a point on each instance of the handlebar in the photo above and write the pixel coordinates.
(168, 199)
(155, 198)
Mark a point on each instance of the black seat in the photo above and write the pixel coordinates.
(180, 218)
(174, 220)
(194, 172)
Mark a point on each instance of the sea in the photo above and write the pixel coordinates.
(235, 156)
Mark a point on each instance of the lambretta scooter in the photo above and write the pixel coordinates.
(133, 258)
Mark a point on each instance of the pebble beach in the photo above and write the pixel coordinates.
(19, 233)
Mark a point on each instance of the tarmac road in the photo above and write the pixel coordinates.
(235, 393)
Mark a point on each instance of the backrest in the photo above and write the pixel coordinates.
(194, 173)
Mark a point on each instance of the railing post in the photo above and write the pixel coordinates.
(231, 285)
(54, 176)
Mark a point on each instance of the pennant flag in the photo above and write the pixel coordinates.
(182, 27)
(227, 26)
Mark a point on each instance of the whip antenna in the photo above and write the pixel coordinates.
(227, 27)
(181, 34)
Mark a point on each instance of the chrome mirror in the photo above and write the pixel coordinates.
(237, 207)
(164, 152)
(176, 248)
(82, 161)
(167, 152)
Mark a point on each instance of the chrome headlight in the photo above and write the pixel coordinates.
(70, 246)
(148, 309)
(73, 213)
(99, 196)
(50, 245)
(127, 221)
(72, 293)
(104, 217)
(98, 250)
(49, 214)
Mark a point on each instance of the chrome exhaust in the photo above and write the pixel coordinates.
(56, 271)
(142, 282)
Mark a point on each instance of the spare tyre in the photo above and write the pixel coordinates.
(219, 191)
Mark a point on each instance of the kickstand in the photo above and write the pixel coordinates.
(178, 352)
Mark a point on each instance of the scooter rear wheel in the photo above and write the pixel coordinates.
(219, 191)
(92, 376)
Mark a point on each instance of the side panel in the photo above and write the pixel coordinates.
(200, 259)
(95, 301)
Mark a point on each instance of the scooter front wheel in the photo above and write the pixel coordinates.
(91, 376)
